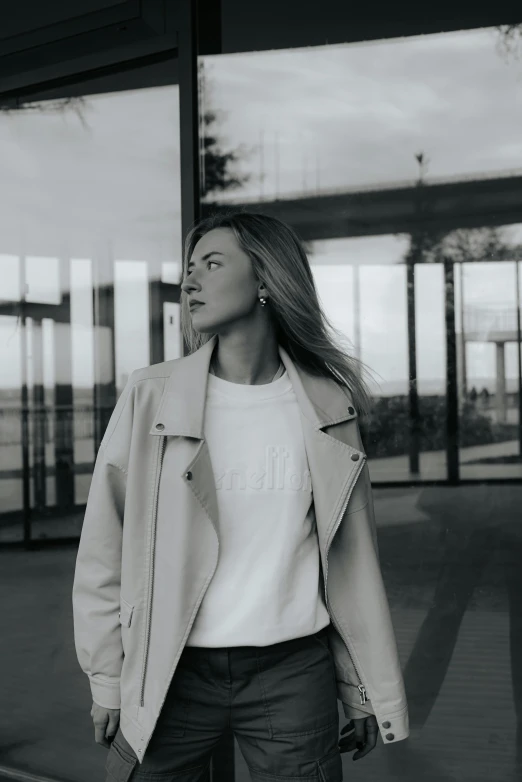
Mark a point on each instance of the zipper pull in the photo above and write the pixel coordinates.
(362, 691)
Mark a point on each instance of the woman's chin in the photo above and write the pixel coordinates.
(201, 325)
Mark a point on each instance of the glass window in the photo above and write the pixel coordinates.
(376, 153)
(489, 367)
(341, 171)
(90, 221)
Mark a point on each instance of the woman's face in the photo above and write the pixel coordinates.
(220, 275)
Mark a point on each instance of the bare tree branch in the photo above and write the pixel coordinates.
(78, 104)
(509, 42)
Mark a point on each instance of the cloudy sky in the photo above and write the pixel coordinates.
(106, 185)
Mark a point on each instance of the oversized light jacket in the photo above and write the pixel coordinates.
(148, 551)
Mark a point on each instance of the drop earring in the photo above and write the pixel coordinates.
(262, 301)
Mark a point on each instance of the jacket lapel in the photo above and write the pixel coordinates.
(334, 462)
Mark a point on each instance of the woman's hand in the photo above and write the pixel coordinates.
(106, 723)
(362, 736)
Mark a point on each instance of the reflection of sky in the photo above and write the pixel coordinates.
(109, 185)
(343, 116)
(365, 109)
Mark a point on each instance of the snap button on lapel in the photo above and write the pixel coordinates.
(355, 457)
(351, 410)
(160, 426)
(188, 476)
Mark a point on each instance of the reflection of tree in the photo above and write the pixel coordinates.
(60, 106)
(509, 42)
(465, 245)
(428, 245)
(216, 164)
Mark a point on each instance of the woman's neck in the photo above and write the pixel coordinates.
(239, 364)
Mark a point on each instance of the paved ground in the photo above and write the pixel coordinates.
(449, 556)
(433, 464)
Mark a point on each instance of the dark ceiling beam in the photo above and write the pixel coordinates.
(273, 24)
(80, 42)
(58, 49)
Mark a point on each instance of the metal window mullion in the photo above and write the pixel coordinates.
(188, 117)
(452, 401)
(519, 357)
(413, 395)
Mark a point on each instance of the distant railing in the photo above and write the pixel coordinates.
(495, 318)
(55, 424)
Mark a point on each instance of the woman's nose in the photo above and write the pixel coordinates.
(189, 285)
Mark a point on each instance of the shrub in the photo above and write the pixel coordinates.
(388, 431)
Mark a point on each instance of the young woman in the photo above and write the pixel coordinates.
(227, 573)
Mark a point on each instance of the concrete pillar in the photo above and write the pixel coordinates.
(500, 391)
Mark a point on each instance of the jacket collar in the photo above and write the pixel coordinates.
(182, 407)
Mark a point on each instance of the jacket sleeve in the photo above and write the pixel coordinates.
(352, 712)
(347, 680)
(97, 577)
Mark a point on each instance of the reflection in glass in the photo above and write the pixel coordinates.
(42, 279)
(172, 330)
(131, 318)
(340, 117)
(81, 255)
(10, 275)
(82, 342)
(489, 415)
(333, 147)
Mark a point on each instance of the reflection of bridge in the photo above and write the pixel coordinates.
(397, 208)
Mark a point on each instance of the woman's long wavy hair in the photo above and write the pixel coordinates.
(280, 262)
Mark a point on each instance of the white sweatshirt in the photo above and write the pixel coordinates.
(266, 587)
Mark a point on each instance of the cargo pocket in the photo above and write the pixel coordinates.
(297, 681)
(331, 767)
(119, 765)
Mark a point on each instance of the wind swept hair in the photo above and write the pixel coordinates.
(280, 262)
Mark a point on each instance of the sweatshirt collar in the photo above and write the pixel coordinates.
(181, 411)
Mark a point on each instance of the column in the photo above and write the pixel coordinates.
(500, 391)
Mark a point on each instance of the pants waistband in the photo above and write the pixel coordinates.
(292, 642)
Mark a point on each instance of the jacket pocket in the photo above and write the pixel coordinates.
(125, 614)
(331, 767)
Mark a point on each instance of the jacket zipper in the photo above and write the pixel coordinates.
(151, 572)
(360, 686)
